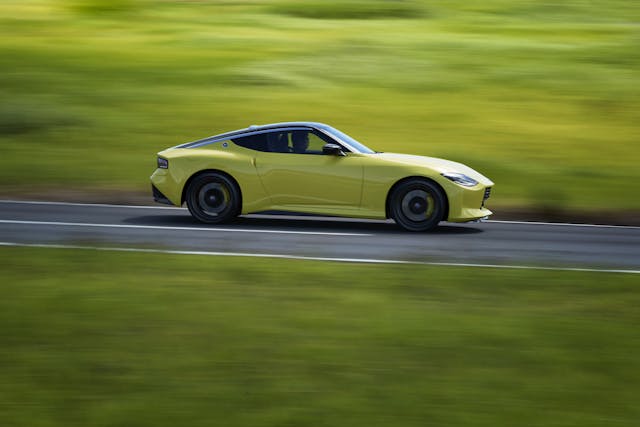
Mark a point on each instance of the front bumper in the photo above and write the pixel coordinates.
(468, 204)
(468, 215)
(159, 197)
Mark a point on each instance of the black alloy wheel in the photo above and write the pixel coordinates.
(417, 205)
(213, 198)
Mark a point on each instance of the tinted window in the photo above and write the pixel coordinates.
(307, 142)
(253, 142)
(278, 142)
(299, 141)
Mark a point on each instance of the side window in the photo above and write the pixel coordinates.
(290, 141)
(253, 142)
(307, 142)
(278, 142)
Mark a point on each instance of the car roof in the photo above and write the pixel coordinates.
(252, 129)
(287, 125)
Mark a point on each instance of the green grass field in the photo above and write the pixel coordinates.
(92, 338)
(544, 98)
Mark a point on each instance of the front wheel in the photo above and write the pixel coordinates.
(417, 205)
(213, 198)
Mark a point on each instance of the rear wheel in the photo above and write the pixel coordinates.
(417, 205)
(213, 198)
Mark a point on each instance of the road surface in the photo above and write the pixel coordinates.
(494, 243)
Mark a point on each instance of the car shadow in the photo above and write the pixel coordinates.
(306, 223)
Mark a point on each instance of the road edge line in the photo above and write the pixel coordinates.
(107, 205)
(312, 258)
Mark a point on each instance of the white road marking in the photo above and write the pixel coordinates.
(570, 224)
(162, 227)
(105, 205)
(312, 258)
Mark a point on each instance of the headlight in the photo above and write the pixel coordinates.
(460, 178)
(163, 163)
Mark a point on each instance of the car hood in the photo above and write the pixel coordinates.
(439, 165)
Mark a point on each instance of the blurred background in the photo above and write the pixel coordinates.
(541, 96)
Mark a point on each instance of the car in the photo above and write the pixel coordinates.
(313, 168)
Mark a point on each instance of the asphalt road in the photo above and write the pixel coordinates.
(164, 228)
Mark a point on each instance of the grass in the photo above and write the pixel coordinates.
(100, 339)
(542, 98)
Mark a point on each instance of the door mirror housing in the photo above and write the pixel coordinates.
(333, 149)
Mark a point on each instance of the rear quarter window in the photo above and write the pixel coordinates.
(252, 142)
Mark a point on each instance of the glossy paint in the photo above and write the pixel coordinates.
(354, 185)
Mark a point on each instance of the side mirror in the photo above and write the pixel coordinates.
(333, 149)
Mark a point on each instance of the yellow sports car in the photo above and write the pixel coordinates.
(314, 168)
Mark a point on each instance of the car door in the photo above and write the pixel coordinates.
(296, 173)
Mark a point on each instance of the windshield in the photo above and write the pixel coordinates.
(343, 137)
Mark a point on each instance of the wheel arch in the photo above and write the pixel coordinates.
(387, 207)
(205, 171)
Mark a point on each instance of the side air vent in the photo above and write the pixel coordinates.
(487, 194)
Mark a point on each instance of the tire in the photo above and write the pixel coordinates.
(213, 198)
(417, 205)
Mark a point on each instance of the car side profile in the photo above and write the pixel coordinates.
(313, 168)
